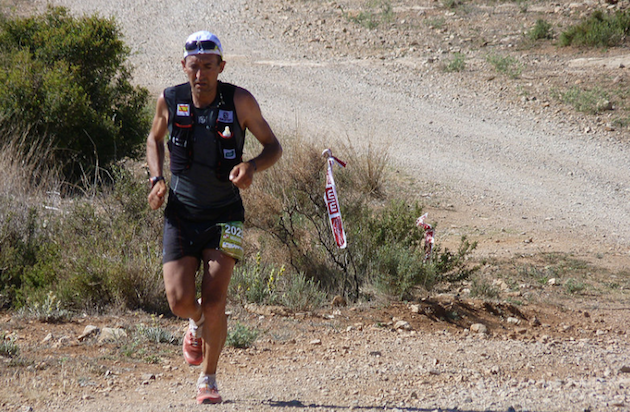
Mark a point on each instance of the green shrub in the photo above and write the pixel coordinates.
(573, 286)
(452, 267)
(254, 283)
(483, 289)
(260, 284)
(65, 78)
(456, 64)
(301, 294)
(394, 224)
(598, 30)
(111, 252)
(451, 4)
(240, 336)
(8, 347)
(542, 31)
(506, 65)
(121, 264)
(392, 253)
(435, 23)
(50, 311)
(590, 101)
(156, 334)
(399, 270)
(379, 11)
(27, 254)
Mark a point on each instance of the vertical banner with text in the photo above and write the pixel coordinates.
(332, 201)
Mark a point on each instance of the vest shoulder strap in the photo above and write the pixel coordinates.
(184, 108)
(183, 92)
(226, 94)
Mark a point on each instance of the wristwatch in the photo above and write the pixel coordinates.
(153, 180)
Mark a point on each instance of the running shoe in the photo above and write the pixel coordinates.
(193, 345)
(207, 392)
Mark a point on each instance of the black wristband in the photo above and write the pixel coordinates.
(155, 179)
(253, 162)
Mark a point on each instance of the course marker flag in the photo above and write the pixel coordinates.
(429, 236)
(332, 201)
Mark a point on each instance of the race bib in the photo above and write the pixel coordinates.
(231, 242)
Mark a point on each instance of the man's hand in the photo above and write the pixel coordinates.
(156, 196)
(242, 175)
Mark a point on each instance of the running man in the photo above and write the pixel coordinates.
(206, 121)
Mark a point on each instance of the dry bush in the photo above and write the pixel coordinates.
(287, 210)
(94, 252)
(28, 202)
(289, 224)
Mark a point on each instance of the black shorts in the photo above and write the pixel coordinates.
(222, 230)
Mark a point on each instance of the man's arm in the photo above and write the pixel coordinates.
(155, 152)
(250, 116)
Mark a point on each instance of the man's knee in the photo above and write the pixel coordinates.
(179, 282)
(180, 307)
(182, 301)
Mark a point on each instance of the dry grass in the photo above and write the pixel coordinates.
(369, 165)
(90, 251)
(301, 171)
(27, 172)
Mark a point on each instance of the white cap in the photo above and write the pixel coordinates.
(201, 43)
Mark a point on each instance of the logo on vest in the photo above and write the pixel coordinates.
(226, 116)
(229, 153)
(183, 110)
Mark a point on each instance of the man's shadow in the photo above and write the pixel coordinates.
(295, 403)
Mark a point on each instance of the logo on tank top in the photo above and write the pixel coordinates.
(183, 110)
(226, 116)
(229, 153)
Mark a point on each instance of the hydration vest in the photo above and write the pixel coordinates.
(227, 131)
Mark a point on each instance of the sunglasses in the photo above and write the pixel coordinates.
(201, 45)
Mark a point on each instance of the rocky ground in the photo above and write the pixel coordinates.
(494, 155)
(441, 353)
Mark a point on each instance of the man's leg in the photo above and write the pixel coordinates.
(179, 282)
(218, 269)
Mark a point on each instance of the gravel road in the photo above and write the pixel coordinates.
(494, 160)
(505, 167)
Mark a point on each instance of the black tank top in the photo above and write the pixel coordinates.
(197, 188)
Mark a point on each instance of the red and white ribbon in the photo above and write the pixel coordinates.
(332, 201)
(429, 236)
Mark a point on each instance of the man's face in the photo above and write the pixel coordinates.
(203, 71)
